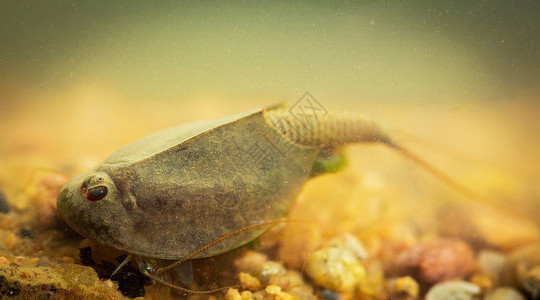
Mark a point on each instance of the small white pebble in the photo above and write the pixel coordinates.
(454, 290)
(109, 283)
(504, 293)
(19, 260)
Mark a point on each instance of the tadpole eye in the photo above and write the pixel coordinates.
(97, 193)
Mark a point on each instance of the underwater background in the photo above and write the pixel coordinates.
(457, 82)
(91, 67)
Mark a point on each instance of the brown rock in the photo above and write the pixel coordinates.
(64, 281)
(436, 261)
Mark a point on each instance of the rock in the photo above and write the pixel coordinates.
(271, 292)
(327, 294)
(373, 287)
(454, 290)
(250, 261)
(484, 281)
(436, 261)
(275, 292)
(270, 272)
(64, 281)
(257, 273)
(495, 265)
(525, 263)
(337, 267)
(233, 294)
(532, 281)
(403, 288)
(349, 242)
(249, 282)
(504, 293)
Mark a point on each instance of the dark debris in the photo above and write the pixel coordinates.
(131, 281)
(4, 205)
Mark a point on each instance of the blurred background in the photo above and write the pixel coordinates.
(459, 81)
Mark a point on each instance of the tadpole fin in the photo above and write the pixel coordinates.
(468, 194)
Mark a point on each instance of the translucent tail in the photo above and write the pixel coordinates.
(338, 129)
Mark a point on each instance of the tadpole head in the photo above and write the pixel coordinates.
(90, 204)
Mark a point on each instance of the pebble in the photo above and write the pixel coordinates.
(494, 264)
(250, 261)
(270, 292)
(19, 260)
(249, 282)
(532, 282)
(404, 287)
(504, 293)
(454, 290)
(374, 285)
(233, 294)
(337, 267)
(348, 241)
(327, 294)
(525, 263)
(437, 261)
(270, 271)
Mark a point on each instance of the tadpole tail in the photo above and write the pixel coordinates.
(339, 129)
(442, 176)
(334, 130)
(468, 194)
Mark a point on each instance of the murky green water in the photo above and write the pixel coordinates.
(349, 51)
